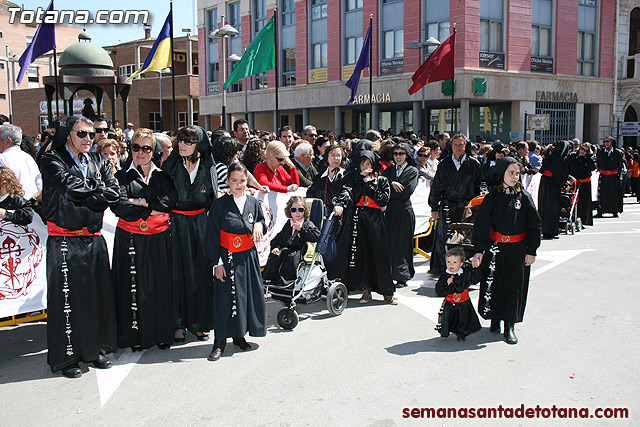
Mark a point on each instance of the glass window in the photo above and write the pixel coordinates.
(353, 48)
(259, 15)
(319, 55)
(318, 34)
(353, 4)
(213, 67)
(436, 22)
(491, 17)
(393, 30)
(288, 13)
(587, 23)
(289, 67)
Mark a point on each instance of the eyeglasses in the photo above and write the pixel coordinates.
(187, 141)
(314, 135)
(101, 130)
(294, 210)
(399, 153)
(145, 148)
(607, 140)
(83, 133)
(280, 159)
(422, 155)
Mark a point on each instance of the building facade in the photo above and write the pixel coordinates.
(627, 98)
(512, 58)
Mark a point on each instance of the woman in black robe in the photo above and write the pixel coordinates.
(142, 249)
(236, 220)
(581, 165)
(192, 170)
(554, 174)
(506, 235)
(364, 243)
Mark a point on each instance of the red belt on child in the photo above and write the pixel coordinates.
(547, 173)
(615, 172)
(586, 179)
(367, 202)
(155, 224)
(458, 297)
(236, 242)
(501, 238)
(55, 230)
(196, 212)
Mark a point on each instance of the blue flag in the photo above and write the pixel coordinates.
(363, 62)
(43, 41)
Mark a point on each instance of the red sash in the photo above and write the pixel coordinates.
(609, 172)
(196, 212)
(458, 297)
(367, 202)
(501, 238)
(547, 173)
(236, 242)
(586, 180)
(155, 224)
(54, 230)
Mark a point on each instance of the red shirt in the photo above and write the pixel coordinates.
(278, 181)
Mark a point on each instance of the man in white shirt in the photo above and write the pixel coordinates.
(128, 132)
(21, 163)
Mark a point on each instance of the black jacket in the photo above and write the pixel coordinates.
(160, 194)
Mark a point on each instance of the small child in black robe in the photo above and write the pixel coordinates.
(287, 245)
(13, 207)
(457, 314)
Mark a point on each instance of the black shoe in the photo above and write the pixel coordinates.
(510, 333)
(202, 337)
(435, 271)
(163, 346)
(218, 349)
(136, 348)
(495, 326)
(401, 285)
(461, 337)
(598, 215)
(102, 362)
(242, 343)
(615, 215)
(72, 371)
(184, 336)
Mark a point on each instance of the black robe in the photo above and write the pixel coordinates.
(451, 190)
(283, 268)
(400, 222)
(239, 305)
(504, 278)
(363, 246)
(609, 187)
(549, 193)
(18, 210)
(459, 318)
(580, 167)
(81, 314)
(148, 320)
(192, 275)
(326, 190)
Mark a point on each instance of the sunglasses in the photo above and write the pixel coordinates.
(83, 133)
(314, 135)
(294, 210)
(280, 159)
(422, 155)
(400, 153)
(145, 148)
(101, 130)
(187, 141)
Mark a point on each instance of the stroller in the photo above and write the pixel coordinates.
(460, 233)
(312, 283)
(570, 222)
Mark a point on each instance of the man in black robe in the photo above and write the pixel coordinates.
(77, 187)
(399, 218)
(457, 181)
(609, 163)
(555, 170)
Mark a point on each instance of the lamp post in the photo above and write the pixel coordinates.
(160, 73)
(431, 41)
(222, 33)
(10, 58)
(235, 58)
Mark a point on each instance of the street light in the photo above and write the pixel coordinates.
(10, 58)
(236, 58)
(431, 41)
(222, 33)
(160, 73)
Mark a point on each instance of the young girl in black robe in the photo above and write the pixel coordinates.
(13, 207)
(287, 245)
(506, 235)
(235, 222)
(457, 314)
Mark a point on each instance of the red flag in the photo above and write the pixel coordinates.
(438, 66)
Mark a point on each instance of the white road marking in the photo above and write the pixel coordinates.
(593, 233)
(110, 379)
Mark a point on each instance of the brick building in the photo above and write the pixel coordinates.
(512, 57)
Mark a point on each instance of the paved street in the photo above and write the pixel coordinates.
(578, 348)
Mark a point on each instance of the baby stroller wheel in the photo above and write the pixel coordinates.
(337, 297)
(287, 318)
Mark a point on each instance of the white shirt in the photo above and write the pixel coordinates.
(194, 172)
(337, 175)
(25, 169)
(240, 202)
(459, 163)
(400, 169)
(128, 133)
(151, 171)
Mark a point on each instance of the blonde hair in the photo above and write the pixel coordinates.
(277, 148)
(144, 133)
(10, 181)
(107, 143)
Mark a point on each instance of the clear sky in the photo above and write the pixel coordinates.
(110, 34)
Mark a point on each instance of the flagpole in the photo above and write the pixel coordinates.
(371, 74)
(453, 83)
(173, 70)
(55, 71)
(275, 40)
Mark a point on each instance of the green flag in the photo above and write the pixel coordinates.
(260, 56)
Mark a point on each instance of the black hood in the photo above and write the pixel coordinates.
(496, 174)
(63, 130)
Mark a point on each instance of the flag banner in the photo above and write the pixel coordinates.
(438, 66)
(363, 62)
(43, 41)
(260, 56)
(160, 56)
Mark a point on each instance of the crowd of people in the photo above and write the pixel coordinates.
(184, 258)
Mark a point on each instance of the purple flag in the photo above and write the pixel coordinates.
(363, 62)
(43, 41)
